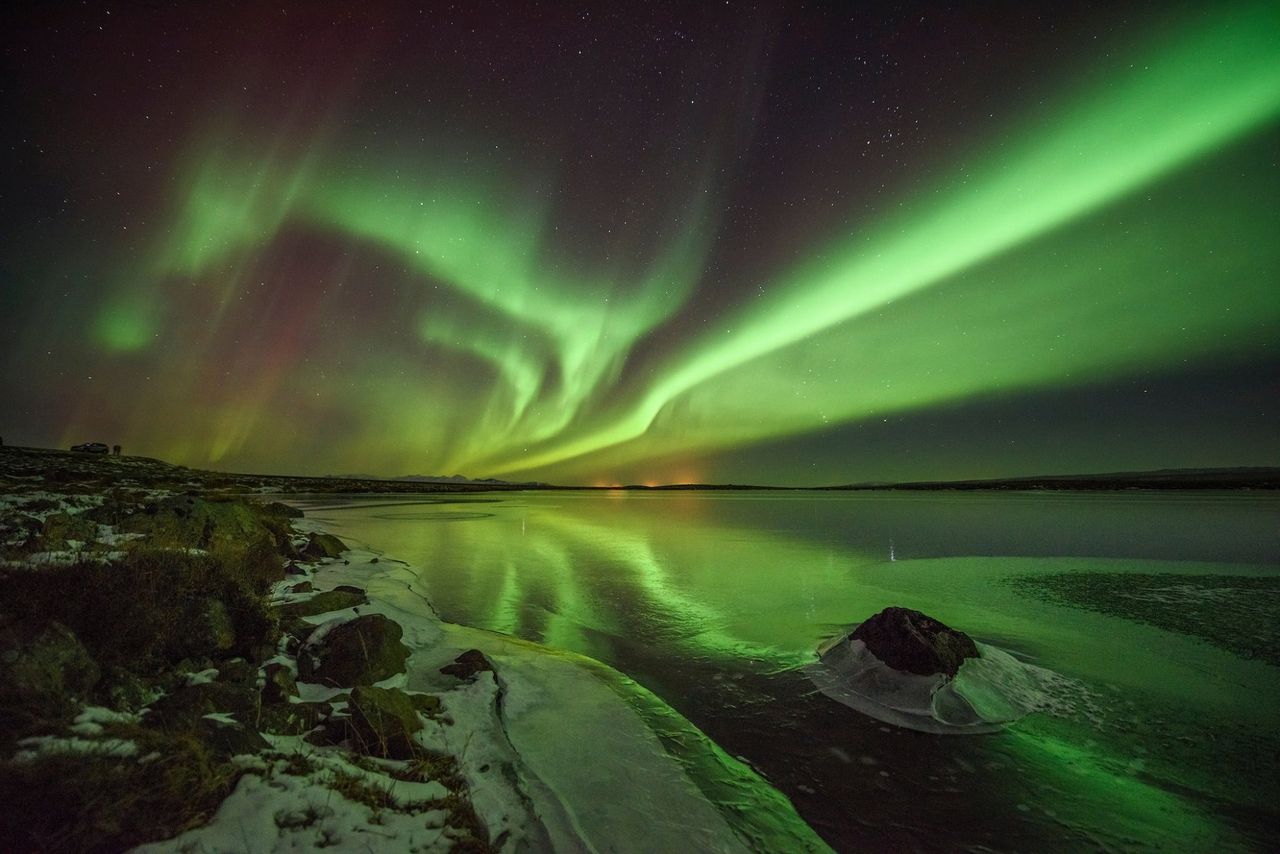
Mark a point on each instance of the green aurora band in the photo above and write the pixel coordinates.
(1087, 195)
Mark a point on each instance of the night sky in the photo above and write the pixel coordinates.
(778, 243)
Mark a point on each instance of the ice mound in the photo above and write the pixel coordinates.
(987, 692)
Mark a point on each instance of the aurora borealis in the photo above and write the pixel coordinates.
(758, 243)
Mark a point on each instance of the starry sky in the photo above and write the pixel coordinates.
(786, 243)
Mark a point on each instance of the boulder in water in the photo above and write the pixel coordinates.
(913, 642)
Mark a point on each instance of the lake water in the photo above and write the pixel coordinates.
(1161, 610)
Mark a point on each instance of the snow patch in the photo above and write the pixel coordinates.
(40, 745)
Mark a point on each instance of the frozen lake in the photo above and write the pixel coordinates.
(1161, 610)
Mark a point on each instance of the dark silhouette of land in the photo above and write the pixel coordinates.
(64, 466)
(1209, 478)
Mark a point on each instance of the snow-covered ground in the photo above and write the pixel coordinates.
(553, 749)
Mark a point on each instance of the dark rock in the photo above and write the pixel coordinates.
(279, 685)
(321, 545)
(281, 510)
(348, 588)
(122, 690)
(359, 652)
(210, 630)
(186, 706)
(293, 718)
(231, 739)
(237, 671)
(292, 568)
(194, 522)
(20, 529)
(382, 722)
(426, 704)
(43, 664)
(323, 603)
(467, 665)
(188, 667)
(914, 642)
(300, 587)
(59, 529)
(296, 629)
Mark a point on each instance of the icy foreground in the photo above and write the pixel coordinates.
(558, 753)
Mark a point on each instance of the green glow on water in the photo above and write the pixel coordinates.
(1159, 731)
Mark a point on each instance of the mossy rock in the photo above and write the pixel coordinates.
(297, 629)
(185, 706)
(237, 671)
(122, 690)
(323, 603)
(59, 529)
(231, 739)
(300, 587)
(209, 630)
(321, 545)
(20, 529)
(359, 652)
(280, 510)
(381, 722)
(43, 665)
(192, 522)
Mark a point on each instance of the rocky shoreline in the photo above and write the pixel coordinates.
(185, 669)
(151, 646)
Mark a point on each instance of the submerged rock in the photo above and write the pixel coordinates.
(359, 652)
(906, 668)
(913, 642)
